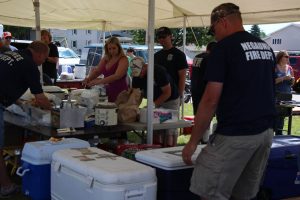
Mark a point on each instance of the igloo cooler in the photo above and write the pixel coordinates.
(36, 164)
(281, 170)
(95, 174)
(173, 175)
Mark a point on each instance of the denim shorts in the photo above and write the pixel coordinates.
(231, 166)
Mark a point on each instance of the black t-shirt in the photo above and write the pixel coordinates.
(245, 65)
(18, 72)
(173, 60)
(161, 79)
(48, 67)
(197, 80)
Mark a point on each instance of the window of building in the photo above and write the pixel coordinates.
(74, 32)
(74, 44)
(88, 42)
(88, 32)
(276, 41)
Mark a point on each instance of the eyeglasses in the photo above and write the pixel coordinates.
(286, 56)
(8, 38)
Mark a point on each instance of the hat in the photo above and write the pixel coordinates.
(6, 34)
(221, 11)
(163, 31)
(136, 65)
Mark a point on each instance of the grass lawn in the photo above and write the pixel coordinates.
(188, 110)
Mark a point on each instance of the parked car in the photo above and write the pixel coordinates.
(92, 54)
(67, 57)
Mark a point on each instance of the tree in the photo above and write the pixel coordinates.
(194, 35)
(22, 33)
(255, 30)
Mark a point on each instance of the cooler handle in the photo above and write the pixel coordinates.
(19, 173)
(90, 181)
(134, 194)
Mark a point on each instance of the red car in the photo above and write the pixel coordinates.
(295, 63)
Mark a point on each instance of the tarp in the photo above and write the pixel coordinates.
(133, 14)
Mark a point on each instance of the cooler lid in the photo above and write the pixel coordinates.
(102, 166)
(285, 141)
(166, 158)
(284, 148)
(40, 152)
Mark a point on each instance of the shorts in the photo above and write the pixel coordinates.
(231, 166)
(1, 127)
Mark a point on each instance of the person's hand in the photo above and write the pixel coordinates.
(187, 153)
(85, 81)
(42, 101)
(94, 82)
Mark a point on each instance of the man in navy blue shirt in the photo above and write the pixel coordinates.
(18, 72)
(240, 90)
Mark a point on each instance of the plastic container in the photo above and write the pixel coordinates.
(173, 175)
(80, 71)
(35, 170)
(281, 171)
(95, 174)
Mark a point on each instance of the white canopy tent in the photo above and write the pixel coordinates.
(134, 14)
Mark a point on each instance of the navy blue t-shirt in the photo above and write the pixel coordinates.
(173, 60)
(161, 79)
(18, 72)
(245, 65)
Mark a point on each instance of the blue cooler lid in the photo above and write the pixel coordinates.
(40, 152)
(166, 158)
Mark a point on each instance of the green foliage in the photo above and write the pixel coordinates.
(138, 36)
(255, 30)
(21, 33)
(194, 35)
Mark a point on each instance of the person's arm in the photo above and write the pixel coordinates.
(42, 101)
(166, 93)
(181, 84)
(120, 72)
(204, 115)
(52, 59)
(95, 72)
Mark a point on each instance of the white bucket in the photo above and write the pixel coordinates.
(80, 71)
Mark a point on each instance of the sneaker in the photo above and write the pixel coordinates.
(297, 180)
(8, 191)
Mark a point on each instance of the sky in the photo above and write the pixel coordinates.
(269, 28)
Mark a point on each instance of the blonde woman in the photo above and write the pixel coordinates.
(284, 73)
(114, 67)
(283, 84)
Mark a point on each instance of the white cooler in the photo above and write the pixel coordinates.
(95, 174)
(173, 175)
(36, 160)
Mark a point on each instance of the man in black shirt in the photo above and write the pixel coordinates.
(18, 72)
(165, 90)
(198, 70)
(240, 90)
(49, 66)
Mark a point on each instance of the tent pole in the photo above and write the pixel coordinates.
(36, 5)
(150, 72)
(184, 50)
